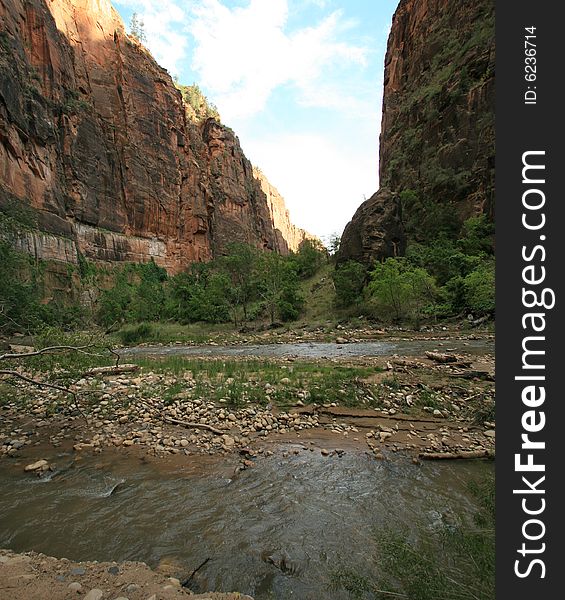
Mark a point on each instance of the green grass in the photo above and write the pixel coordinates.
(455, 562)
(239, 382)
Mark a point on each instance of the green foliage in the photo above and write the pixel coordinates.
(479, 289)
(136, 334)
(278, 285)
(310, 258)
(400, 290)
(19, 294)
(349, 281)
(425, 218)
(198, 106)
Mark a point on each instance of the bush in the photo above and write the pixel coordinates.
(134, 335)
(479, 289)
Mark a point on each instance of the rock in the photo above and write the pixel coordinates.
(114, 570)
(341, 340)
(285, 381)
(78, 571)
(40, 464)
(75, 586)
(228, 440)
(491, 433)
(94, 594)
(324, 452)
(132, 587)
(375, 232)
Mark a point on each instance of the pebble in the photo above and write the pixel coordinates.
(78, 571)
(75, 586)
(94, 594)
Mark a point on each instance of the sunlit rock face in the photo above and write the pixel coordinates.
(95, 138)
(437, 136)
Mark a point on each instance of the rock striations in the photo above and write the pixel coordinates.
(437, 135)
(95, 138)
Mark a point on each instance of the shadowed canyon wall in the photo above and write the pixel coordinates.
(95, 138)
(437, 136)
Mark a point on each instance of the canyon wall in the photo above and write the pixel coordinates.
(95, 138)
(437, 135)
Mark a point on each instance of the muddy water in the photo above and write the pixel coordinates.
(277, 530)
(319, 349)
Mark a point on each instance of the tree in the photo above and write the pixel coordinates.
(349, 281)
(401, 289)
(239, 266)
(310, 257)
(137, 28)
(278, 286)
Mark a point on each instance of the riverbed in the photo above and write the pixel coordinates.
(277, 530)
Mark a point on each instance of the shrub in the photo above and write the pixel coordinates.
(479, 289)
(134, 335)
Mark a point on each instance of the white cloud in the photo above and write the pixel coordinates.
(243, 54)
(163, 24)
(327, 184)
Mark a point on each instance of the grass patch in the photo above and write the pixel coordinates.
(455, 562)
(240, 382)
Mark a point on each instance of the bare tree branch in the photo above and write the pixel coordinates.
(53, 386)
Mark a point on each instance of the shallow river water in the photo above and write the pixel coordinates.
(277, 530)
(319, 349)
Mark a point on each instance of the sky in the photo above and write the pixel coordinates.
(299, 81)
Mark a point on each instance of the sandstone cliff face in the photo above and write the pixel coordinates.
(437, 136)
(288, 236)
(94, 136)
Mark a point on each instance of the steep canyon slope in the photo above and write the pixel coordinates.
(95, 138)
(437, 135)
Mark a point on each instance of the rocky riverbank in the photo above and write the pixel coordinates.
(386, 403)
(33, 576)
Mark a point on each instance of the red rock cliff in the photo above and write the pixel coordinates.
(289, 237)
(94, 136)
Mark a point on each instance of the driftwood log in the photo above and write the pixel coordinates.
(457, 454)
(113, 370)
(441, 358)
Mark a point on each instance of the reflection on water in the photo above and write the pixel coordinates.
(275, 531)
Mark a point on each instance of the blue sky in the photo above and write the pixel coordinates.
(299, 81)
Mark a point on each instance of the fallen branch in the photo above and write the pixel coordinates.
(113, 370)
(186, 582)
(52, 386)
(48, 350)
(441, 358)
(457, 454)
(191, 424)
(484, 375)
